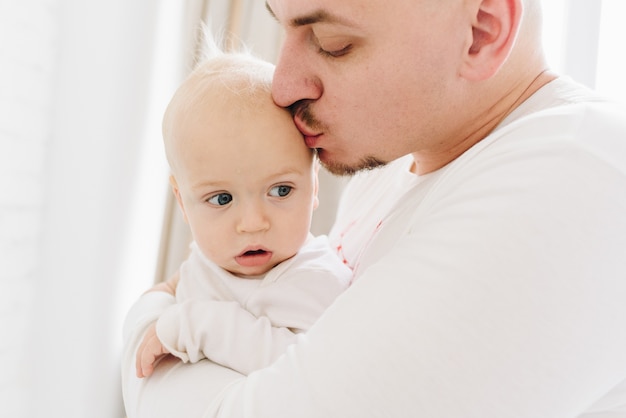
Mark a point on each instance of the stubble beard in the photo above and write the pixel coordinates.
(342, 169)
(303, 111)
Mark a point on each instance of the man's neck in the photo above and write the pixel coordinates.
(427, 162)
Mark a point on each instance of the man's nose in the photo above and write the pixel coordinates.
(294, 77)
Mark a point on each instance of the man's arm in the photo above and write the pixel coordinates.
(495, 299)
(168, 286)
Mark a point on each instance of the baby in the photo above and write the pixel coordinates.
(246, 184)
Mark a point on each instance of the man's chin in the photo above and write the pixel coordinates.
(342, 169)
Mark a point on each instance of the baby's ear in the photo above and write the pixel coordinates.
(179, 199)
(494, 30)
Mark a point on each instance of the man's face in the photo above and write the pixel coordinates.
(366, 80)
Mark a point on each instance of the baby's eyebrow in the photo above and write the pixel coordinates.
(286, 172)
(208, 184)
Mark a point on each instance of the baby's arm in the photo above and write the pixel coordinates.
(223, 332)
(250, 338)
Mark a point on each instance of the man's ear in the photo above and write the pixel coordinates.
(494, 31)
(179, 199)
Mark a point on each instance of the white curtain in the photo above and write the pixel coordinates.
(76, 97)
(93, 154)
(27, 50)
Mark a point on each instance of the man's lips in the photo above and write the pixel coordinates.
(311, 141)
(310, 137)
(254, 257)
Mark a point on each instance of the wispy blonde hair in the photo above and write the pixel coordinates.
(239, 72)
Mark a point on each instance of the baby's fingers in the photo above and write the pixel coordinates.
(149, 351)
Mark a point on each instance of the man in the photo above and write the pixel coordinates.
(489, 251)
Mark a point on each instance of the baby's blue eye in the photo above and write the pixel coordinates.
(221, 199)
(280, 191)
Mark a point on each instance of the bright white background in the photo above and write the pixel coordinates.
(83, 180)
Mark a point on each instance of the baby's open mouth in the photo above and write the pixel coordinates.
(254, 258)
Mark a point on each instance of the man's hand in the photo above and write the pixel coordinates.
(168, 286)
(150, 351)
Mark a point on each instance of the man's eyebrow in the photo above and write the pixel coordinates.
(315, 17)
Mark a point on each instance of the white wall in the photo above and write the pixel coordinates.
(584, 39)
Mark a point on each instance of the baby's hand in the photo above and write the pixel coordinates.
(149, 352)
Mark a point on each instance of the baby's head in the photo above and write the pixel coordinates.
(243, 177)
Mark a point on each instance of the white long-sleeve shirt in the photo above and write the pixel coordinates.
(492, 288)
(246, 324)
